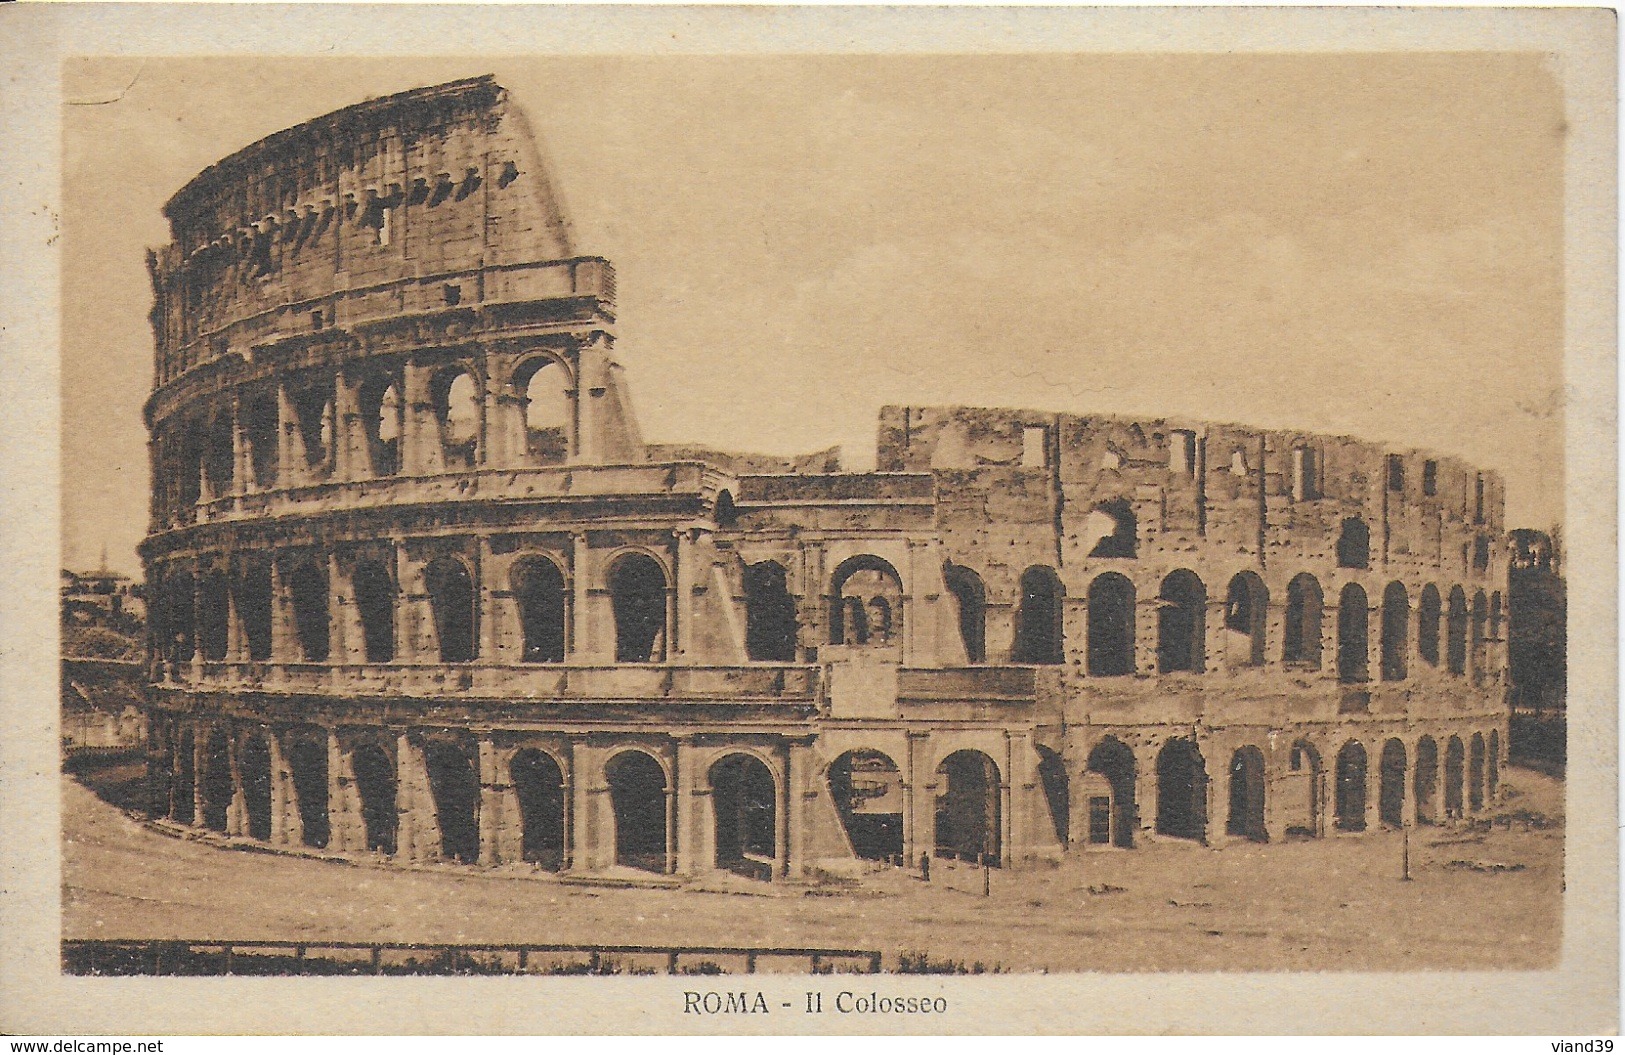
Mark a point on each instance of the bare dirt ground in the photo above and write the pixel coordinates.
(1480, 899)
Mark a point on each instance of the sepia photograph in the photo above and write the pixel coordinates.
(1066, 512)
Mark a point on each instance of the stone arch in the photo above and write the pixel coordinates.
(214, 615)
(1111, 626)
(1391, 784)
(383, 420)
(1427, 625)
(1246, 612)
(546, 392)
(867, 789)
(254, 606)
(1247, 786)
(308, 587)
(1455, 759)
(455, 395)
(1475, 773)
(539, 786)
(1456, 623)
(1053, 779)
(638, 791)
(216, 780)
(1396, 630)
(374, 771)
(453, 601)
(313, 418)
(254, 770)
(543, 598)
(1353, 635)
(1425, 782)
(745, 806)
(307, 763)
(967, 807)
(770, 614)
(1302, 631)
(374, 589)
(638, 588)
(856, 583)
(1182, 623)
(1039, 634)
(454, 784)
(1351, 787)
(970, 600)
(1354, 544)
(1113, 761)
(1304, 791)
(1181, 790)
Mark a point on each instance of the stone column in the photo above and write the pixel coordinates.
(1015, 834)
(284, 800)
(1408, 811)
(1145, 788)
(1145, 630)
(588, 793)
(290, 450)
(1373, 786)
(200, 755)
(798, 769)
(914, 841)
(680, 603)
(420, 453)
(351, 459)
(418, 833)
(489, 608)
(237, 808)
(495, 820)
(347, 830)
(1216, 761)
(505, 414)
(690, 808)
(236, 638)
(584, 628)
(284, 640)
(242, 469)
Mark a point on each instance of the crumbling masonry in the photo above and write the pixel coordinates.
(421, 590)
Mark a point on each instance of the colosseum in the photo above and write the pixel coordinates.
(422, 592)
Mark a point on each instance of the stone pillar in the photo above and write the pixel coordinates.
(798, 769)
(693, 803)
(1145, 788)
(418, 834)
(1015, 838)
(584, 627)
(1216, 761)
(505, 415)
(1277, 759)
(237, 808)
(347, 830)
(915, 842)
(236, 638)
(292, 469)
(339, 607)
(587, 793)
(1145, 631)
(284, 640)
(489, 607)
(351, 459)
(285, 826)
(1408, 811)
(242, 469)
(680, 603)
(1373, 786)
(200, 756)
(420, 453)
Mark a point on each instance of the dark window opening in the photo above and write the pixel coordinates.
(1246, 610)
(1247, 795)
(181, 617)
(1305, 474)
(1396, 628)
(1057, 793)
(1354, 544)
(220, 456)
(452, 600)
(1182, 623)
(375, 780)
(538, 784)
(970, 599)
(1391, 785)
(744, 802)
(1113, 760)
(725, 515)
(637, 791)
(307, 762)
(1478, 499)
(1430, 477)
(770, 614)
(1353, 636)
(539, 589)
(453, 294)
(260, 427)
(214, 616)
(308, 583)
(1455, 757)
(1427, 626)
(1396, 472)
(184, 805)
(1351, 787)
(1481, 554)
(1039, 634)
(637, 586)
(1111, 626)
(1302, 791)
(218, 786)
(868, 793)
(1456, 636)
(1425, 784)
(1301, 639)
(967, 808)
(254, 766)
(375, 603)
(456, 791)
(1181, 791)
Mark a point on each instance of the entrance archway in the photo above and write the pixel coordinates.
(1351, 787)
(967, 813)
(637, 588)
(183, 803)
(254, 767)
(539, 590)
(455, 787)
(375, 781)
(217, 782)
(1304, 792)
(637, 792)
(1057, 793)
(1475, 773)
(1181, 791)
(744, 800)
(307, 761)
(1391, 785)
(1425, 782)
(1247, 795)
(538, 784)
(868, 792)
(1455, 758)
(1113, 760)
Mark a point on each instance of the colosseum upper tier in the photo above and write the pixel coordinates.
(424, 592)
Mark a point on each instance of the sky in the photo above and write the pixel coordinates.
(1361, 244)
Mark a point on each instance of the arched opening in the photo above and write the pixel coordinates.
(637, 793)
(1457, 632)
(214, 616)
(254, 767)
(1039, 637)
(1246, 608)
(725, 513)
(744, 799)
(1247, 795)
(1492, 774)
(452, 601)
(1303, 791)
(456, 397)
(313, 418)
(637, 586)
(1455, 762)
(1475, 773)
(219, 456)
(1181, 791)
(1354, 544)
(545, 386)
(1110, 647)
(1113, 523)
(1351, 787)
(375, 780)
(1481, 616)
(1353, 636)
(261, 424)
(1396, 629)
(539, 590)
(307, 581)
(254, 591)
(218, 786)
(1057, 793)
(183, 805)
(181, 614)
(307, 762)
(970, 598)
(858, 582)
(868, 793)
(375, 603)
(1113, 821)
(1182, 623)
(538, 784)
(1391, 784)
(189, 468)
(967, 808)
(1425, 781)
(383, 418)
(456, 790)
(1427, 626)
(1301, 637)
(770, 614)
